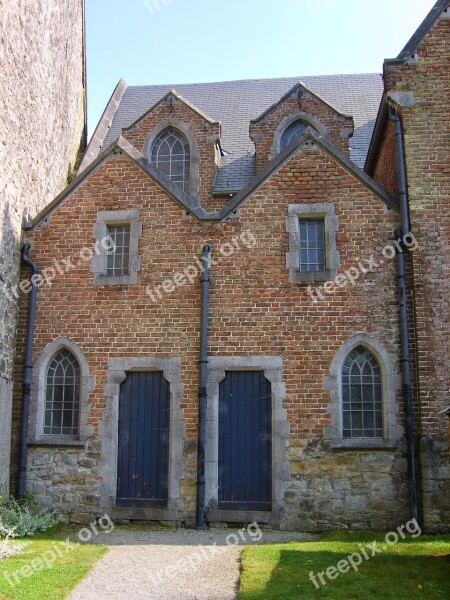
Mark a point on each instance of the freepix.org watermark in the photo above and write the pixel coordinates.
(194, 561)
(59, 267)
(154, 6)
(364, 553)
(315, 7)
(362, 267)
(245, 240)
(57, 550)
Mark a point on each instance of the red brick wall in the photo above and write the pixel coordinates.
(385, 169)
(254, 308)
(427, 142)
(262, 132)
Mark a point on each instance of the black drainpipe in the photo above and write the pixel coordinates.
(201, 482)
(403, 306)
(27, 372)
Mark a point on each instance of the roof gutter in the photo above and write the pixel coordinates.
(403, 291)
(202, 394)
(26, 386)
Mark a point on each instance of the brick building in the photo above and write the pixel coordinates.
(319, 400)
(42, 99)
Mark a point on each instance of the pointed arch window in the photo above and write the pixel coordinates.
(292, 133)
(171, 155)
(362, 410)
(62, 397)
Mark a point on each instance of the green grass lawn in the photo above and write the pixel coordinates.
(51, 581)
(413, 568)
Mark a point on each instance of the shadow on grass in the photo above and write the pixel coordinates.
(405, 571)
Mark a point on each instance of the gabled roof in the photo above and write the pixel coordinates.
(378, 131)
(101, 131)
(122, 146)
(173, 94)
(193, 208)
(298, 86)
(418, 37)
(307, 138)
(235, 104)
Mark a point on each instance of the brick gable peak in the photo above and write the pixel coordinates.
(301, 90)
(170, 97)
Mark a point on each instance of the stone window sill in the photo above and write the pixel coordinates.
(53, 441)
(311, 276)
(101, 279)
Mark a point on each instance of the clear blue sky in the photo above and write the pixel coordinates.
(191, 41)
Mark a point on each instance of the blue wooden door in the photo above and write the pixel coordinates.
(245, 441)
(143, 453)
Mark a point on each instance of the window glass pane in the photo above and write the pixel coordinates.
(292, 133)
(62, 397)
(118, 252)
(171, 155)
(361, 395)
(312, 244)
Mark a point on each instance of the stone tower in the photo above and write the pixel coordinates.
(42, 130)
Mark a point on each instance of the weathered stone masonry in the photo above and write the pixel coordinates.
(41, 129)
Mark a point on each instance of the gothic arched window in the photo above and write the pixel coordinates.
(362, 413)
(292, 133)
(62, 397)
(171, 155)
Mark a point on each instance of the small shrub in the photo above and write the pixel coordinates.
(19, 520)
(8, 550)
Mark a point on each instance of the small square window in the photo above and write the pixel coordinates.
(312, 229)
(312, 244)
(116, 260)
(118, 252)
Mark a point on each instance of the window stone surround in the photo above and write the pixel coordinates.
(38, 390)
(194, 182)
(100, 233)
(391, 383)
(323, 210)
(287, 122)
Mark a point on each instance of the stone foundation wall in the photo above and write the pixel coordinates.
(435, 470)
(345, 489)
(328, 490)
(66, 480)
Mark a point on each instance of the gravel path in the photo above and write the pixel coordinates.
(172, 565)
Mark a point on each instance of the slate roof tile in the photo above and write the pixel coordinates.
(236, 103)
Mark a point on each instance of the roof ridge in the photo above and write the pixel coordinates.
(252, 80)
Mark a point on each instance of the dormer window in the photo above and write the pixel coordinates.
(171, 155)
(292, 133)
